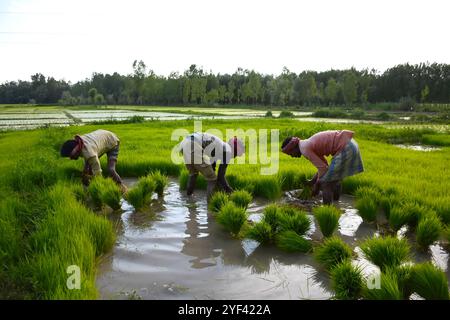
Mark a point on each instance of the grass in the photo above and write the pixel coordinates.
(161, 181)
(290, 219)
(429, 282)
(346, 281)
(241, 198)
(232, 218)
(261, 232)
(428, 231)
(386, 252)
(291, 241)
(328, 219)
(217, 201)
(332, 252)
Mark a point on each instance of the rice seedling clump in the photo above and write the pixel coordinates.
(346, 281)
(367, 208)
(332, 252)
(389, 288)
(386, 252)
(217, 201)
(241, 198)
(328, 219)
(429, 282)
(140, 195)
(161, 181)
(290, 219)
(261, 232)
(428, 230)
(111, 194)
(232, 217)
(270, 216)
(292, 242)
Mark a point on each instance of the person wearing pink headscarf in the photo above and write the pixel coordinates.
(346, 159)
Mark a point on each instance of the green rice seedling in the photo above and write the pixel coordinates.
(80, 192)
(447, 234)
(328, 219)
(232, 217)
(261, 232)
(429, 282)
(111, 194)
(161, 181)
(290, 219)
(403, 274)
(266, 186)
(398, 217)
(10, 232)
(200, 183)
(386, 252)
(332, 252)
(346, 281)
(241, 198)
(37, 171)
(367, 208)
(428, 230)
(291, 241)
(136, 197)
(306, 193)
(147, 185)
(415, 213)
(95, 191)
(389, 288)
(368, 192)
(387, 203)
(217, 201)
(270, 216)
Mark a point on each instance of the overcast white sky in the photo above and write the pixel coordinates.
(70, 39)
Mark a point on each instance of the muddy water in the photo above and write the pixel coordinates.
(176, 250)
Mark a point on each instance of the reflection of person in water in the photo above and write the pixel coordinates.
(199, 244)
(207, 242)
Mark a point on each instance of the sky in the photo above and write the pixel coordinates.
(71, 39)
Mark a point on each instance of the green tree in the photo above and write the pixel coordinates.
(349, 88)
(424, 93)
(92, 93)
(331, 91)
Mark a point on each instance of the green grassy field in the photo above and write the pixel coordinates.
(45, 227)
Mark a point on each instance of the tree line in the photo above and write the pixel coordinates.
(422, 82)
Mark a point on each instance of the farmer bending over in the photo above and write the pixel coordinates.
(201, 151)
(346, 159)
(92, 146)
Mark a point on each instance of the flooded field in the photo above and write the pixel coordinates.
(176, 250)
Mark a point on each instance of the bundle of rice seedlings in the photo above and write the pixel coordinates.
(241, 198)
(95, 191)
(217, 201)
(398, 217)
(328, 219)
(389, 288)
(429, 282)
(136, 197)
(346, 281)
(147, 185)
(428, 230)
(270, 216)
(415, 213)
(232, 217)
(290, 219)
(368, 192)
(386, 252)
(306, 193)
(332, 252)
(161, 181)
(292, 242)
(261, 232)
(367, 208)
(111, 194)
(387, 203)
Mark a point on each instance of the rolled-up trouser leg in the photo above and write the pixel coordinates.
(337, 190)
(191, 183)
